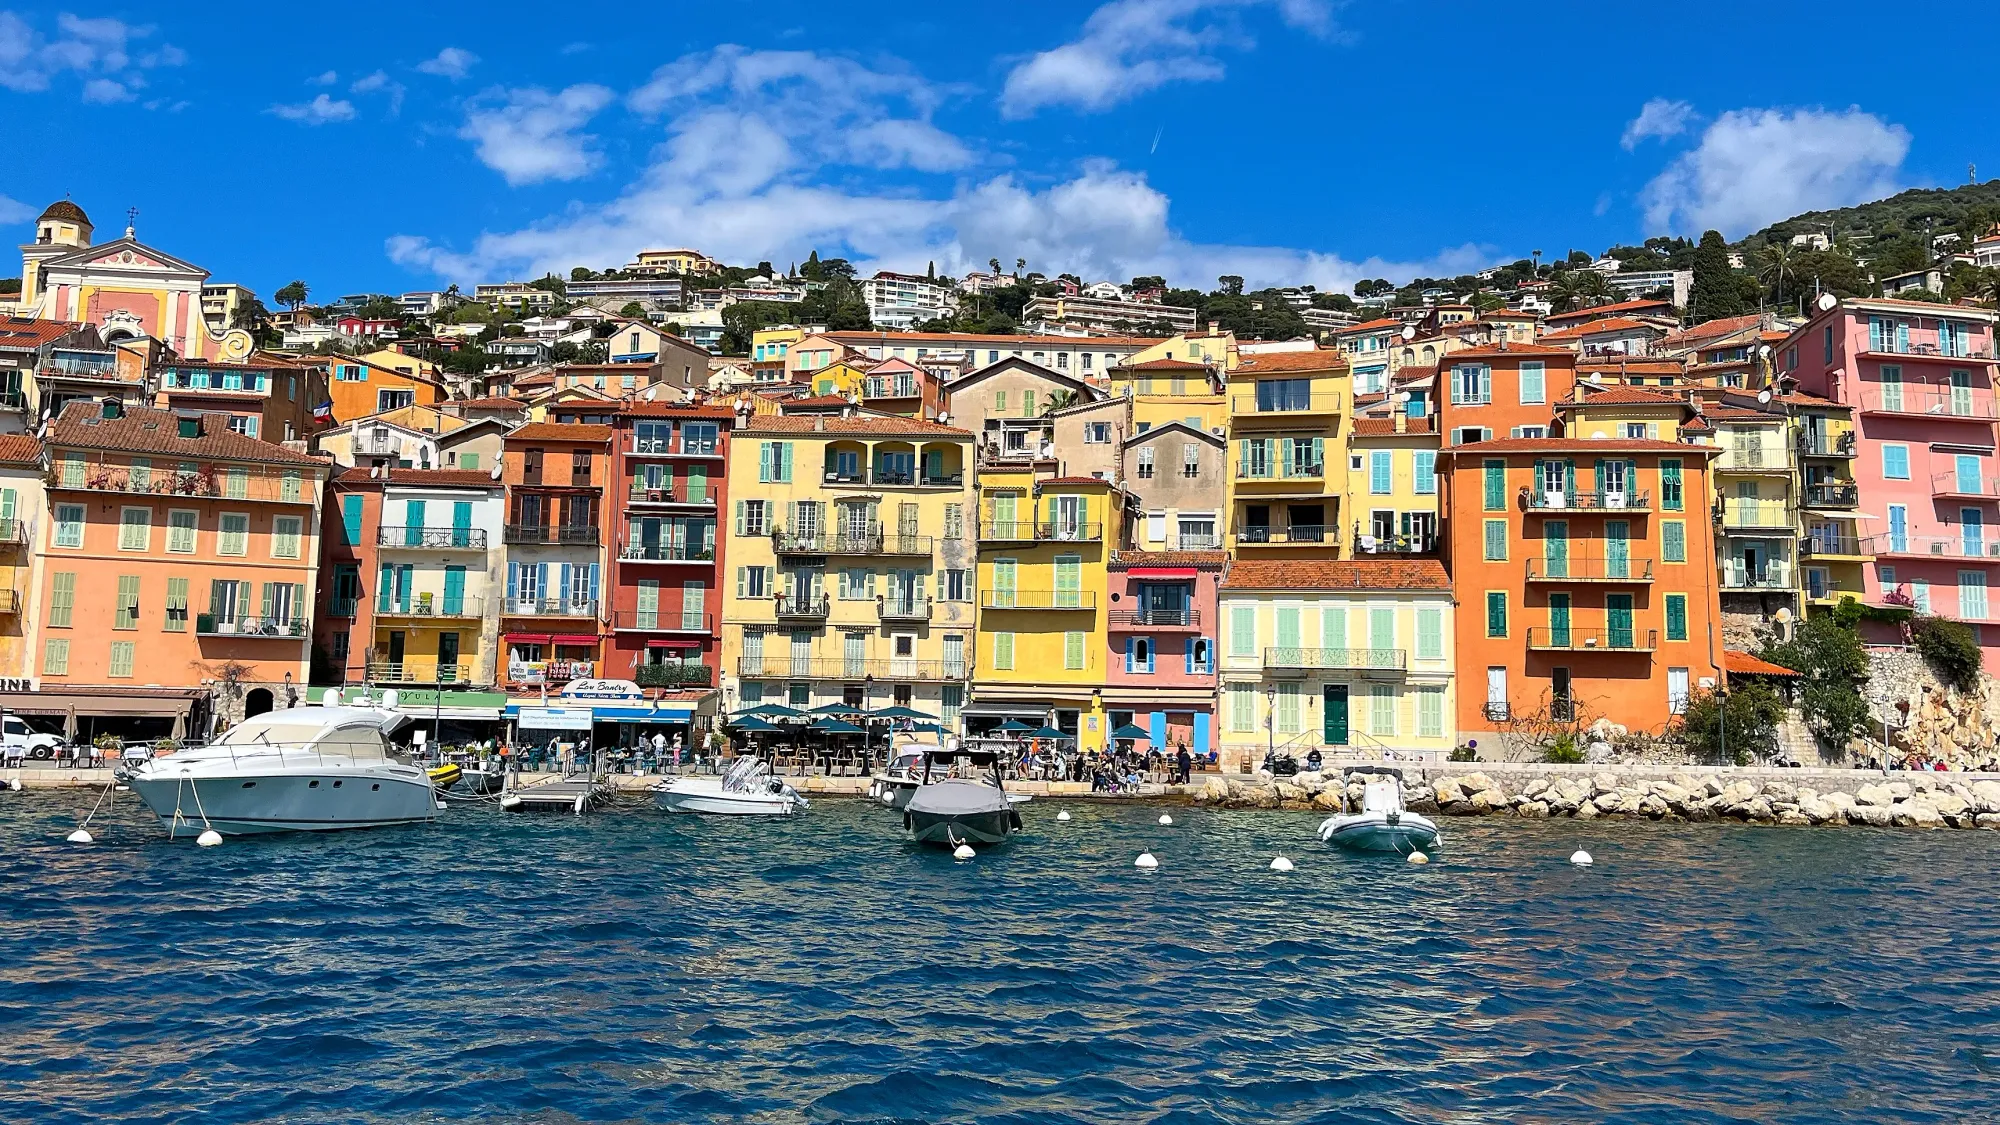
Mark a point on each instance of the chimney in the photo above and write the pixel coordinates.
(819, 423)
(1403, 419)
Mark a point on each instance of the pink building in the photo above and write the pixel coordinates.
(1920, 377)
(1160, 671)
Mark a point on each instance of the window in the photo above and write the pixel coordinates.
(394, 400)
(234, 538)
(1896, 462)
(1496, 614)
(69, 524)
(1972, 595)
(753, 517)
(1677, 690)
(1430, 712)
(751, 581)
(236, 483)
(285, 535)
(1671, 495)
(774, 462)
(1242, 630)
(1826, 343)
(62, 598)
(55, 657)
(1533, 389)
(1673, 541)
(1496, 486)
(1530, 431)
(1190, 460)
(1424, 464)
(1003, 651)
(125, 609)
(1242, 708)
(1096, 433)
(1156, 526)
(1920, 594)
(856, 583)
(135, 529)
(1677, 617)
(955, 585)
(1430, 633)
(1496, 540)
(1139, 655)
(121, 660)
(1381, 477)
(1472, 385)
(1200, 655)
(954, 521)
(177, 607)
(1146, 463)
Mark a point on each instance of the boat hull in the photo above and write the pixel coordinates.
(952, 829)
(683, 797)
(1375, 832)
(893, 793)
(301, 801)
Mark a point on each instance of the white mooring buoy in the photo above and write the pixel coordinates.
(15, 785)
(579, 804)
(1165, 819)
(1063, 815)
(1146, 861)
(1281, 864)
(963, 852)
(1418, 857)
(208, 838)
(1581, 858)
(82, 836)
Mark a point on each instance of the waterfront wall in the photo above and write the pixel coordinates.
(1677, 793)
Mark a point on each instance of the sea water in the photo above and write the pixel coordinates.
(633, 966)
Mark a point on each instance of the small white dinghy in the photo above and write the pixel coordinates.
(1382, 825)
(747, 788)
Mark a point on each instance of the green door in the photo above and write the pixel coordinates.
(1559, 620)
(461, 523)
(454, 592)
(1617, 549)
(1555, 541)
(1334, 729)
(1618, 617)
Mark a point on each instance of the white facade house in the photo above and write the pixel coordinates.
(903, 301)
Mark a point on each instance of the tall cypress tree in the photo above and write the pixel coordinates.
(1716, 293)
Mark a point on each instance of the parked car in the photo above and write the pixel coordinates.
(18, 742)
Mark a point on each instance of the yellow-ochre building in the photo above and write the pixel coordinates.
(1287, 454)
(851, 550)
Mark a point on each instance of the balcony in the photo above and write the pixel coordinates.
(1577, 569)
(431, 605)
(225, 625)
(1827, 445)
(548, 607)
(1754, 517)
(641, 495)
(551, 534)
(1297, 534)
(1974, 487)
(1968, 547)
(677, 446)
(1028, 531)
(385, 446)
(803, 606)
(869, 542)
(1560, 639)
(284, 487)
(342, 607)
(903, 609)
(1590, 500)
(10, 602)
(1281, 407)
(1189, 541)
(779, 667)
(1916, 401)
(434, 538)
(1910, 350)
(1837, 548)
(13, 533)
(1767, 458)
(414, 672)
(673, 675)
(1368, 543)
(105, 372)
(1039, 599)
(1832, 494)
(1372, 663)
(13, 400)
(896, 478)
(1279, 474)
(550, 671)
(1128, 620)
(1774, 576)
(665, 552)
(662, 621)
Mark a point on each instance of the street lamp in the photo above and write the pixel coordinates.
(1271, 723)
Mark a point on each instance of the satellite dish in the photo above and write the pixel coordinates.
(496, 470)
(1409, 331)
(1764, 351)
(1827, 301)
(1402, 396)
(1764, 396)
(944, 416)
(1595, 377)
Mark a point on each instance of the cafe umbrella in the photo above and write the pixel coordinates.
(1129, 733)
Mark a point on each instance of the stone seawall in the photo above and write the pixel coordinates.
(1771, 796)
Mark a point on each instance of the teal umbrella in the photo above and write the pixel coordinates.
(901, 712)
(1048, 732)
(753, 724)
(926, 728)
(1015, 724)
(837, 709)
(831, 725)
(771, 711)
(1128, 732)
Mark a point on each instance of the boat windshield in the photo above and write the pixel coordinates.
(1382, 797)
(301, 733)
(743, 774)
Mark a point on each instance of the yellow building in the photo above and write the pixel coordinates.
(850, 553)
(397, 361)
(842, 377)
(1287, 449)
(1831, 541)
(1172, 390)
(1392, 479)
(1216, 349)
(1044, 550)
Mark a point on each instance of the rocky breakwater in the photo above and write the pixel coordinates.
(1914, 800)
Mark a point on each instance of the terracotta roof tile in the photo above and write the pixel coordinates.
(1596, 311)
(945, 338)
(143, 429)
(1619, 394)
(1074, 480)
(1386, 427)
(1592, 328)
(1319, 359)
(1711, 330)
(1204, 560)
(1313, 574)
(1629, 366)
(26, 332)
(20, 449)
(442, 478)
(1164, 365)
(561, 431)
(1369, 326)
(1744, 664)
(490, 402)
(1524, 351)
(820, 423)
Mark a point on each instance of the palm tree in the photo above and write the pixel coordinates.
(1059, 400)
(1020, 264)
(1777, 265)
(995, 263)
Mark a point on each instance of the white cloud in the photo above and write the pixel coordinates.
(14, 211)
(321, 110)
(1129, 47)
(98, 51)
(452, 62)
(326, 79)
(1659, 117)
(532, 135)
(380, 83)
(1755, 166)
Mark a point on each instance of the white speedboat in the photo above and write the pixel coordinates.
(309, 769)
(894, 785)
(1382, 825)
(747, 788)
(950, 811)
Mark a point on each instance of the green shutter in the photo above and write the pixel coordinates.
(1496, 540)
(1242, 630)
(1496, 614)
(177, 599)
(1677, 617)
(1073, 651)
(121, 659)
(764, 461)
(62, 598)
(350, 515)
(1496, 485)
(1670, 485)
(1430, 633)
(1673, 541)
(125, 613)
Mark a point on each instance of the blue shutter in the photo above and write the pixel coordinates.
(350, 514)
(542, 580)
(593, 582)
(1128, 653)
(513, 580)
(562, 588)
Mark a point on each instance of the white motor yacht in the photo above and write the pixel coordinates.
(309, 769)
(746, 788)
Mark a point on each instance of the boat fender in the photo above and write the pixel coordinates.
(1145, 862)
(1014, 818)
(15, 785)
(82, 836)
(579, 804)
(1165, 819)
(1419, 858)
(208, 838)
(1063, 815)
(1581, 858)
(1281, 864)
(510, 802)
(963, 853)
(887, 799)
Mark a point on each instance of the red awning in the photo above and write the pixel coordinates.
(1161, 572)
(526, 638)
(576, 638)
(660, 642)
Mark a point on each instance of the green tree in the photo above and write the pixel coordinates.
(472, 313)
(1150, 281)
(1728, 728)
(549, 283)
(1716, 293)
(1230, 284)
(633, 309)
(582, 273)
(1949, 648)
(381, 308)
(293, 294)
(1775, 262)
(741, 321)
(1825, 649)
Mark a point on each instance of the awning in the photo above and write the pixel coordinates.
(576, 638)
(1156, 573)
(1003, 710)
(127, 702)
(457, 714)
(664, 642)
(526, 638)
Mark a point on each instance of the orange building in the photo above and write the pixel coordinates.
(555, 475)
(177, 553)
(1584, 571)
(1502, 390)
(264, 396)
(358, 387)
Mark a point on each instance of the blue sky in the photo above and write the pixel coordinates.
(392, 147)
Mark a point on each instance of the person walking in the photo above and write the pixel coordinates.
(1186, 763)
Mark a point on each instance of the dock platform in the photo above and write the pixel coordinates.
(577, 793)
